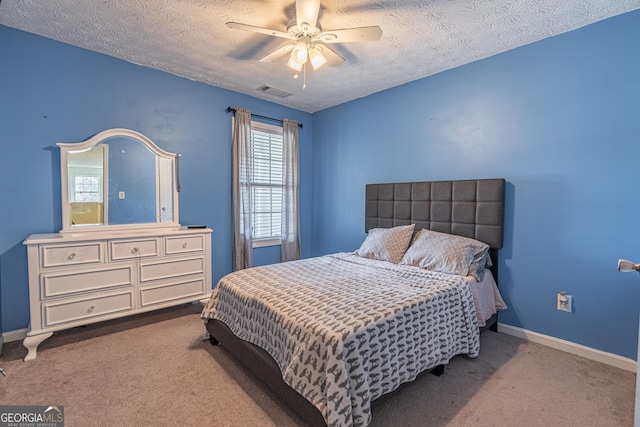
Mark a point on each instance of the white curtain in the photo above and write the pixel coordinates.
(290, 248)
(242, 172)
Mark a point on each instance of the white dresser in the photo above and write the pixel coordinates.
(78, 279)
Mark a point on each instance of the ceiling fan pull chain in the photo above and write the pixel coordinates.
(304, 76)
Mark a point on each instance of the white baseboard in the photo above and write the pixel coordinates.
(571, 347)
(17, 335)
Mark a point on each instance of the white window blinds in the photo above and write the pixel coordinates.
(266, 182)
(86, 188)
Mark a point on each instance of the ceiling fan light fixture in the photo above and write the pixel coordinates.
(294, 64)
(316, 58)
(306, 39)
(300, 53)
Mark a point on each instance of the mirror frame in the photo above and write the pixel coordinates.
(65, 148)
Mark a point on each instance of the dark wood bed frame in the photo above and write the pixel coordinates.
(470, 208)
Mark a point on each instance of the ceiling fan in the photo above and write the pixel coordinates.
(308, 41)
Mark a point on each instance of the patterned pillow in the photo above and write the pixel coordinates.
(481, 262)
(443, 252)
(386, 244)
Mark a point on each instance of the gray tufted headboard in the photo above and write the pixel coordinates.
(470, 208)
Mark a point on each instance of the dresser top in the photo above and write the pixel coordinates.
(36, 239)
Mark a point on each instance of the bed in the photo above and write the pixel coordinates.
(345, 329)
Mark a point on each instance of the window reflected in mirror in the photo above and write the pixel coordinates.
(86, 175)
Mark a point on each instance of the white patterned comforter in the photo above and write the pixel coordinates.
(345, 330)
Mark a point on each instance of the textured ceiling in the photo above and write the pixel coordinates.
(189, 38)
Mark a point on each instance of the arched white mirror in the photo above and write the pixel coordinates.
(118, 179)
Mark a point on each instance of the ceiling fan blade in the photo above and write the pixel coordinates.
(333, 58)
(348, 35)
(307, 11)
(278, 53)
(259, 30)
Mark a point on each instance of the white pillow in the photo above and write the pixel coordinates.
(386, 244)
(446, 253)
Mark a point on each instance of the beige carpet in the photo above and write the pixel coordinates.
(155, 369)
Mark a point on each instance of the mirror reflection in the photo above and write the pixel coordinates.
(86, 175)
(118, 178)
(132, 182)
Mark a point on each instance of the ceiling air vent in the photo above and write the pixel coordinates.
(274, 91)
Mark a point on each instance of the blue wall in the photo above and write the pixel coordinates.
(132, 170)
(560, 121)
(51, 92)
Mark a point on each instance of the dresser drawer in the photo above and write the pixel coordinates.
(81, 253)
(167, 269)
(133, 249)
(56, 313)
(184, 244)
(170, 292)
(65, 283)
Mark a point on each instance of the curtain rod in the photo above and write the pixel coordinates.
(233, 110)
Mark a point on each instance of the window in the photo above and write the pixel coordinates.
(266, 184)
(86, 188)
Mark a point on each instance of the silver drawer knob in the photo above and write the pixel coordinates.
(184, 245)
(91, 309)
(134, 250)
(71, 256)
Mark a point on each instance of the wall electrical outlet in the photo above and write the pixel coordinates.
(565, 302)
(121, 195)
